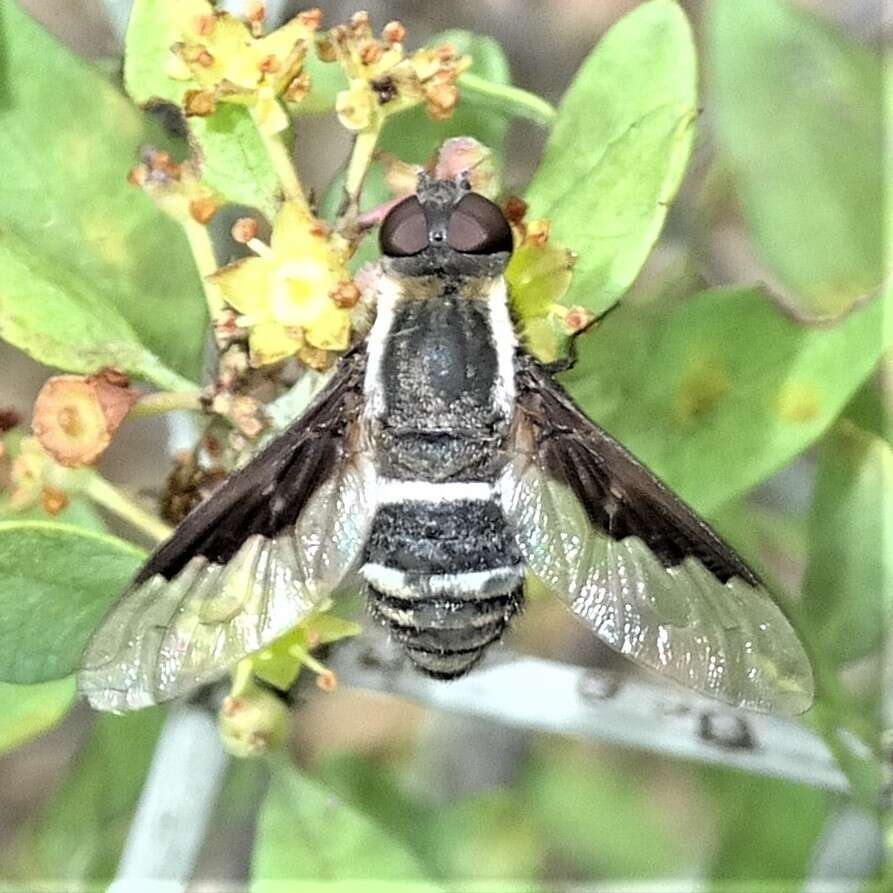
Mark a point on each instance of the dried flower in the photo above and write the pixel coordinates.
(9, 418)
(175, 188)
(76, 416)
(53, 501)
(382, 80)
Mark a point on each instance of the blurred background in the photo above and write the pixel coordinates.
(489, 801)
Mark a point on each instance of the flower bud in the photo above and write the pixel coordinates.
(252, 722)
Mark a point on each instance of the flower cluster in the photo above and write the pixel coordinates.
(231, 63)
(383, 80)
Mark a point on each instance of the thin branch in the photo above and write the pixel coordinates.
(166, 401)
(360, 159)
(284, 167)
(175, 805)
(203, 253)
(623, 710)
(109, 497)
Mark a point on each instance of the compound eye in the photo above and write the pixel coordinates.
(477, 226)
(404, 231)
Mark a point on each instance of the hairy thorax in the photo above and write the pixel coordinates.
(441, 415)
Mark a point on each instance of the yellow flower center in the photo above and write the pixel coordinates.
(300, 291)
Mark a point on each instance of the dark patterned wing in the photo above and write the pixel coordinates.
(637, 565)
(278, 538)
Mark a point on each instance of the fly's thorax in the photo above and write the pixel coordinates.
(439, 383)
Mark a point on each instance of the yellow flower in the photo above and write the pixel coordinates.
(230, 64)
(382, 80)
(284, 295)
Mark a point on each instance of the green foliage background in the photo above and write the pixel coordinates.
(717, 389)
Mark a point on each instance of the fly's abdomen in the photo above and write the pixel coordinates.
(444, 573)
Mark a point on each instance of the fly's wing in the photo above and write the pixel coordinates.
(637, 565)
(278, 537)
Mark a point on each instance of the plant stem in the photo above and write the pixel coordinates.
(166, 401)
(109, 497)
(360, 159)
(357, 167)
(282, 163)
(206, 262)
(521, 103)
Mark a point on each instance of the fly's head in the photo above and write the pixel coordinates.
(446, 230)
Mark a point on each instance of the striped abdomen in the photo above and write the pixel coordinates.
(444, 574)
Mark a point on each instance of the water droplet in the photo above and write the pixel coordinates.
(726, 730)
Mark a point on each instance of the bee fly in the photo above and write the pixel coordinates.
(439, 467)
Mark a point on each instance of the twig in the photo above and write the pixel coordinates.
(628, 711)
(107, 495)
(166, 401)
(175, 805)
(283, 165)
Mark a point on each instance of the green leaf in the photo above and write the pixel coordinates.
(56, 582)
(69, 141)
(492, 838)
(504, 99)
(719, 393)
(799, 115)
(485, 836)
(29, 710)
(233, 159)
(773, 540)
(153, 28)
(327, 80)
(305, 834)
(767, 830)
(618, 150)
(58, 317)
(634, 837)
(847, 587)
(77, 838)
